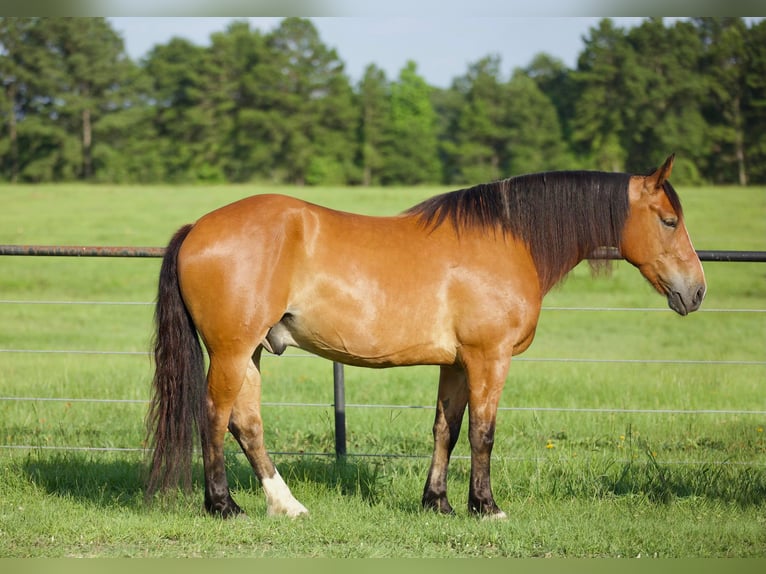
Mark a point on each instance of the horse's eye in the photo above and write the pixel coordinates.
(670, 222)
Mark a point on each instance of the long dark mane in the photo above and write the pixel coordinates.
(563, 216)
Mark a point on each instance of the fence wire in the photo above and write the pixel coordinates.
(516, 359)
(120, 252)
(540, 460)
(421, 407)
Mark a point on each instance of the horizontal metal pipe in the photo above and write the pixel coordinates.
(81, 251)
(738, 256)
(704, 255)
(126, 251)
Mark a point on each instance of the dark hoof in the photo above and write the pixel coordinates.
(488, 511)
(226, 509)
(438, 504)
(231, 512)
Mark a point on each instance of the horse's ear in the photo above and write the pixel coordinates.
(661, 174)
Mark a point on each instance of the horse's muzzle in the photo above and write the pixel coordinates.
(683, 304)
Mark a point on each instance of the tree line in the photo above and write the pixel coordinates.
(279, 107)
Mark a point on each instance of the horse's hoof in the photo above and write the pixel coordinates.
(293, 510)
(438, 504)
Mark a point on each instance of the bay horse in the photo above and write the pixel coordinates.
(455, 281)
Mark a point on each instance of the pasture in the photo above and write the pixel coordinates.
(653, 449)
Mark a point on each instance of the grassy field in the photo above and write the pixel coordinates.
(590, 459)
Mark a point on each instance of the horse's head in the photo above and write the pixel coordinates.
(655, 240)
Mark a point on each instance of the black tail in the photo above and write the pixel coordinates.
(177, 408)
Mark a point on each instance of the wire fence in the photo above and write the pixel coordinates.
(339, 404)
(424, 407)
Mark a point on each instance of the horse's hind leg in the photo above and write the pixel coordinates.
(450, 407)
(225, 378)
(247, 427)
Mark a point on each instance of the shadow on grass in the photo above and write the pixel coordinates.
(662, 483)
(121, 483)
(106, 483)
(110, 483)
(659, 482)
(348, 477)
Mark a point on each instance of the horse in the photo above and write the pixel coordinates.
(455, 281)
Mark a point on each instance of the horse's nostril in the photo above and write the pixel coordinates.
(697, 301)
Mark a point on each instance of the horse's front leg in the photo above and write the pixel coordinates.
(486, 378)
(450, 408)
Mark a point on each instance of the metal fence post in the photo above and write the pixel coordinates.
(340, 409)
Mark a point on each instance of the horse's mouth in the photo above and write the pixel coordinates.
(676, 302)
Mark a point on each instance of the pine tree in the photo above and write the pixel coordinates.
(534, 138)
(662, 111)
(88, 61)
(448, 105)
(754, 103)
(315, 105)
(238, 96)
(555, 80)
(39, 148)
(15, 77)
(482, 126)
(185, 117)
(374, 103)
(411, 139)
(598, 126)
(127, 148)
(724, 66)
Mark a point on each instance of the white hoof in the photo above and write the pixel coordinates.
(279, 500)
(293, 509)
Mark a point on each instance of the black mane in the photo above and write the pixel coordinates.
(563, 216)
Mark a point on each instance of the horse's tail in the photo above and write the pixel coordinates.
(177, 408)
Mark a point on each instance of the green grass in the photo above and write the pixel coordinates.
(595, 483)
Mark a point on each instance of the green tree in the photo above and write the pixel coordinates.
(481, 133)
(126, 145)
(598, 125)
(185, 117)
(37, 147)
(238, 56)
(555, 80)
(278, 106)
(754, 102)
(662, 111)
(534, 140)
(315, 106)
(448, 105)
(412, 153)
(723, 65)
(16, 78)
(375, 110)
(87, 62)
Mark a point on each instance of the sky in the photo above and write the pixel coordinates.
(442, 46)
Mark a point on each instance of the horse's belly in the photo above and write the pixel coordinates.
(366, 345)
